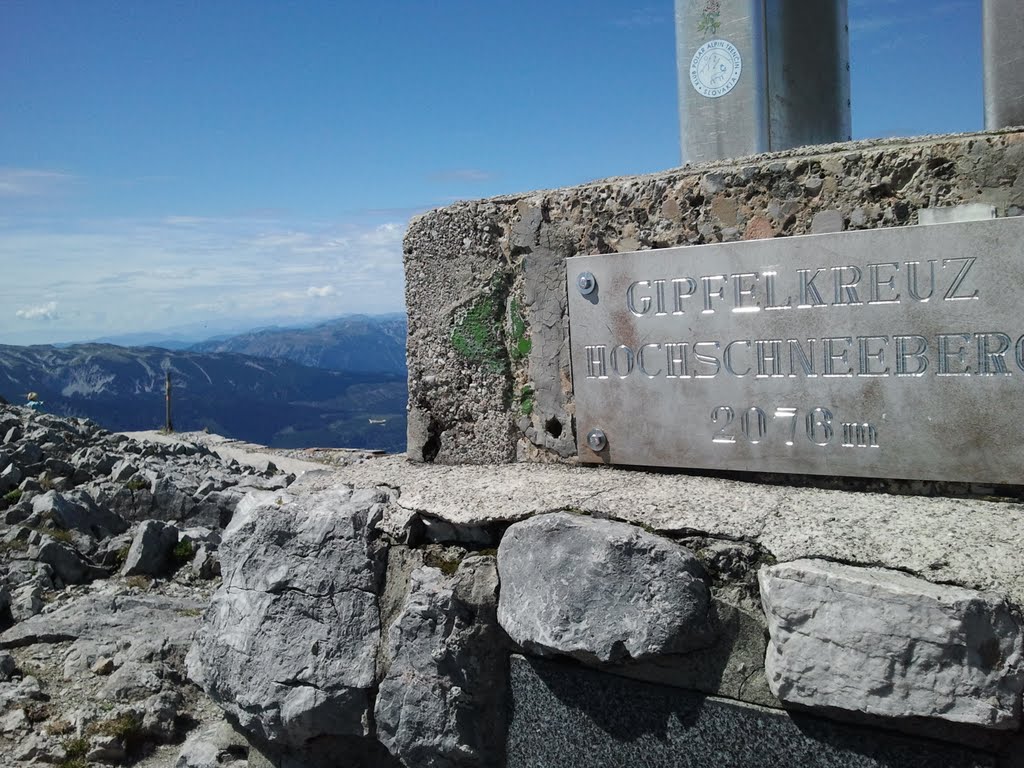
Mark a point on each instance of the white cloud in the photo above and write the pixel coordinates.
(47, 311)
(25, 182)
(462, 174)
(109, 276)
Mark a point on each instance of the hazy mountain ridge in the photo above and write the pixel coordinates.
(272, 401)
(358, 343)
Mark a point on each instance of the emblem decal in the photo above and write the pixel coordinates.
(715, 68)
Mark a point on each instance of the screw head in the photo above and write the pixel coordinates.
(586, 282)
(597, 440)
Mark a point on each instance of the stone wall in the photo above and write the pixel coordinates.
(489, 372)
(436, 620)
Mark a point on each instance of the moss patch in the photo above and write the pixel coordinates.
(521, 345)
(10, 498)
(526, 400)
(182, 554)
(446, 562)
(477, 337)
(136, 484)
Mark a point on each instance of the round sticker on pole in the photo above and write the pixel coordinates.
(715, 68)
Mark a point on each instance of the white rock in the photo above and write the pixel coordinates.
(886, 643)
(289, 643)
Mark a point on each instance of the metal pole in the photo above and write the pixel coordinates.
(169, 424)
(761, 75)
(1003, 35)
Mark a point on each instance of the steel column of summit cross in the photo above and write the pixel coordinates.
(761, 75)
(1003, 24)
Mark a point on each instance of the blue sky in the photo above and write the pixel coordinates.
(202, 165)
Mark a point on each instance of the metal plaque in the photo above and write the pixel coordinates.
(889, 353)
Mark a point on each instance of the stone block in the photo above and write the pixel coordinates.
(442, 700)
(886, 643)
(598, 590)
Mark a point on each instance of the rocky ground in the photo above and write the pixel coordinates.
(108, 558)
(189, 601)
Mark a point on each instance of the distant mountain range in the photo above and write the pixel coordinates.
(337, 384)
(357, 343)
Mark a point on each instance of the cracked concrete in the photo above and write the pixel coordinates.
(968, 542)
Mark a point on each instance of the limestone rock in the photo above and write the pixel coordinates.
(151, 549)
(68, 565)
(441, 703)
(78, 511)
(168, 621)
(598, 590)
(289, 643)
(887, 643)
(216, 745)
(7, 667)
(205, 564)
(9, 478)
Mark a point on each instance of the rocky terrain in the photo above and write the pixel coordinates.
(187, 601)
(108, 552)
(111, 558)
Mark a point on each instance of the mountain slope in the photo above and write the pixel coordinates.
(358, 343)
(274, 402)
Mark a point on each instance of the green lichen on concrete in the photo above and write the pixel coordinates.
(520, 342)
(477, 336)
(526, 400)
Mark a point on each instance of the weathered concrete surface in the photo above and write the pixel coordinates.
(489, 374)
(969, 542)
(885, 643)
(599, 591)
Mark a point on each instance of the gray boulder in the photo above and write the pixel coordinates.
(26, 601)
(289, 643)
(9, 478)
(205, 564)
(77, 511)
(28, 453)
(69, 566)
(58, 467)
(441, 702)
(151, 552)
(214, 509)
(599, 590)
(123, 471)
(885, 643)
(216, 745)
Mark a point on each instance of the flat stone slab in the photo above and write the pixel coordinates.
(970, 542)
(104, 615)
(567, 716)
